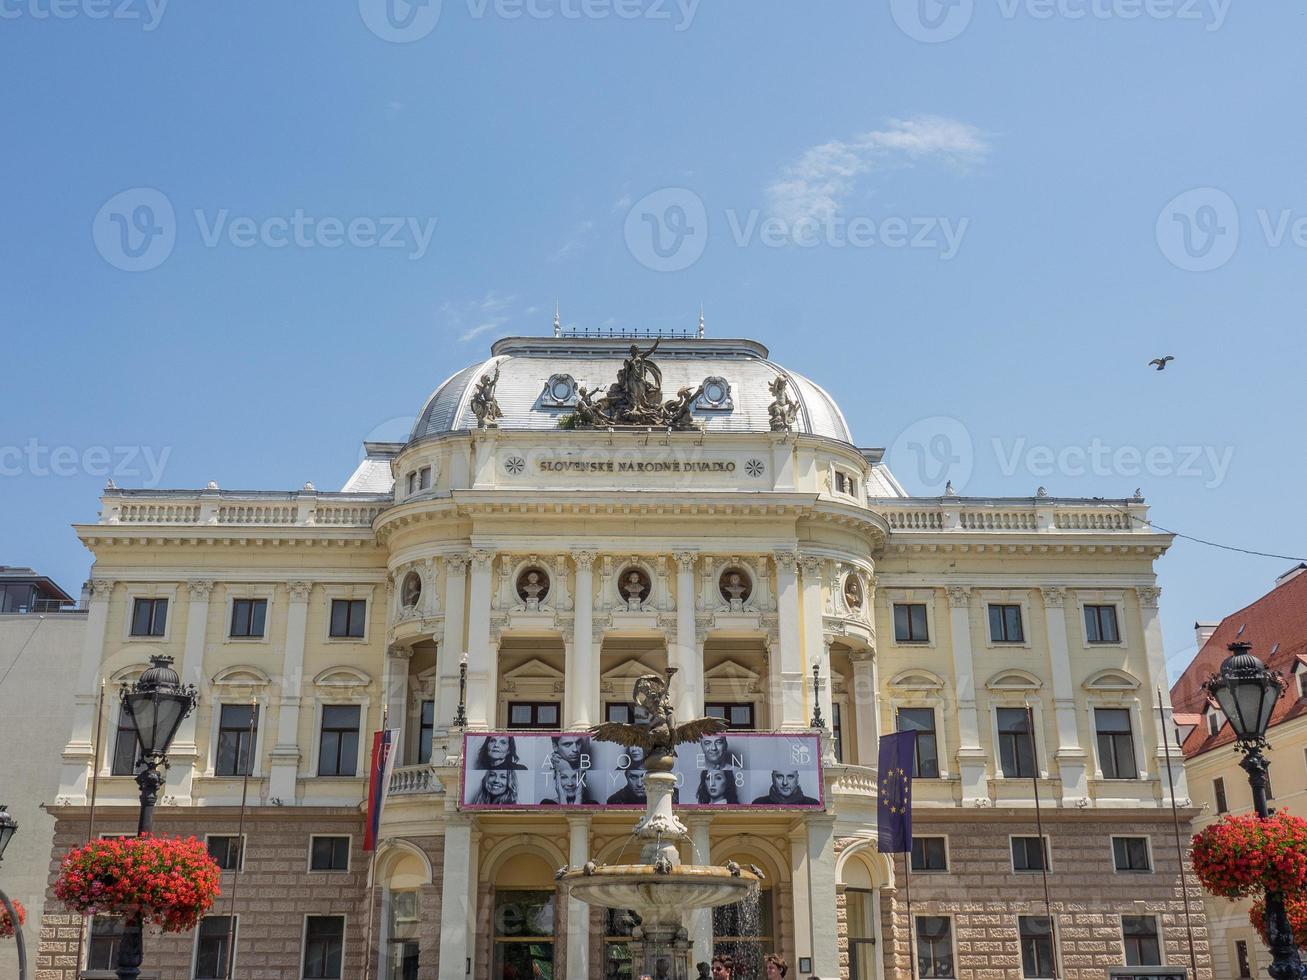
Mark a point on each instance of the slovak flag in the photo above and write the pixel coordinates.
(383, 762)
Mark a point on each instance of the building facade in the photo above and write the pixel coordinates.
(517, 563)
(40, 642)
(1276, 627)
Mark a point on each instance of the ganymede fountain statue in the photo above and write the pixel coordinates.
(660, 889)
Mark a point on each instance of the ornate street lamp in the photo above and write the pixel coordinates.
(9, 827)
(1246, 692)
(157, 705)
(817, 720)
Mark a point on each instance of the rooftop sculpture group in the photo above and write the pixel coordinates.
(635, 399)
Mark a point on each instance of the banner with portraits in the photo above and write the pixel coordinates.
(504, 770)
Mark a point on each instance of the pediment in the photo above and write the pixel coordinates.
(917, 679)
(533, 669)
(730, 670)
(1112, 680)
(342, 676)
(244, 675)
(1014, 680)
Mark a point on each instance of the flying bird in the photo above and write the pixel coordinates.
(1161, 362)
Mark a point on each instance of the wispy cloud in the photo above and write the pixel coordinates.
(816, 185)
(580, 237)
(471, 318)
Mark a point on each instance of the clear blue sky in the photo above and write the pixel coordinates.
(1054, 147)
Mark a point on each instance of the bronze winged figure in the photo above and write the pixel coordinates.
(654, 731)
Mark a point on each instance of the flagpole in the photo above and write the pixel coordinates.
(368, 952)
(912, 926)
(240, 840)
(95, 786)
(1175, 819)
(1044, 849)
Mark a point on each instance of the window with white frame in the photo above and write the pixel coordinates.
(910, 623)
(1214, 721)
(1218, 791)
(329, 853)
(1142, 944)
(214, 942)
(324, 947)
(104, 936)
(348, 618)
(338, 740)
(1101, 624)
(935, 947)
(1016, 743)
(1036, 932)
(126, 748)
(227, 851)
(1005, 624)
(925, 758)
(1302, 682)
(249, 618)
(929, 854)
(238, 727)
(1030, 854)
(149, 616)
(1116, 743)
(1131, 854)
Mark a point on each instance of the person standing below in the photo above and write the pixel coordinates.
(722, 968)
(776, 966)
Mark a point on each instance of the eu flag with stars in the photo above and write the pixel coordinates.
(894, 804)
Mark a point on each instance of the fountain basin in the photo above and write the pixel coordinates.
(659, 897)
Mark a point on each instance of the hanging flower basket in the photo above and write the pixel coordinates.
(1295, 906)
(1240, 857)
(169, 882)
(7, 927)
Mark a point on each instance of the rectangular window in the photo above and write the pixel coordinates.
(1116, 744)
(860, 918)
(338, 745)
(737, 715)
(348, 617)
(106, 935)
(412, 482)
(213, 944)
(1100, 624)
(925, 760)
(1302, 683)
(837, 730)
(1131, 854)
(533, 714)
(1241, 959)
(426, 729)
(618, 711)
(238, 726)
(1213, 721)
(126, 750)
(329, 854)
(1016, 743)
(910, 623)
(1005, 623)
(1218, 790)
(1030, 854)
(841, 482)
(935, 946)
(226, 851)
(523, 940)
(929, 854)
(424, 478)
(324, 946)
(1036, 946)
(248, 617)
(1139, 933)
(402, 957)
(150, 617)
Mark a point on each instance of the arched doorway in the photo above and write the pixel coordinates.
(861, 874)
(522, 924)
(404, 873)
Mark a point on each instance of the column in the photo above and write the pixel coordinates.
(814, 641)
(479, 666)
(286, 751)
(821, 884)
(451, 642)
(700, 920)
(184, 753)
(582, 683)
(395, 682)
(787, 675)
(578, 913)
(972, 762)
(458, 910)
(685, 653)
(80, 751)
(866, 720)
(802, 892)
(1156, 655)
(1071, 757)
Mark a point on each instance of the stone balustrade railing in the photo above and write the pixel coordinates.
(410, 780)
(241, 509)
(853, 780)
(1006, 515)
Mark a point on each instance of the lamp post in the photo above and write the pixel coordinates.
(156, 704)
(817, 720)
(9, 827)
(460, 715)
(1246, 692)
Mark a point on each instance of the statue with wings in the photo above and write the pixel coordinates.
(654, 731)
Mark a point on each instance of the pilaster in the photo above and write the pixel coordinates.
(972, 762)
(286, 751)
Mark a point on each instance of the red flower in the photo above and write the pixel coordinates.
(1294, 905)
(1239, 857)
(170, 882)
(7, 927)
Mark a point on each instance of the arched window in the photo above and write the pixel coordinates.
(523, 923)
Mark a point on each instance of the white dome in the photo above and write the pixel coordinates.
(527, 364)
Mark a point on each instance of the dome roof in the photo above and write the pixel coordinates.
(533, 391)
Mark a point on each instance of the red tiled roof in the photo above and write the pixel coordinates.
(1277, 618)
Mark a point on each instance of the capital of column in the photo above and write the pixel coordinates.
(859, 657)
(786, 560)
(584, 560)
(200, 588)
(481, 559)
(396, 652)
(101, 588)
(1148, 595)
(685, 560)
(299, 591)
(1054, 595)
(959, 596)
(456, 562)
(811, 564)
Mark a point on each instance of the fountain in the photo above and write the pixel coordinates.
(660, 889)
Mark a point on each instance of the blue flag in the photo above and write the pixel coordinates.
(894, 805)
